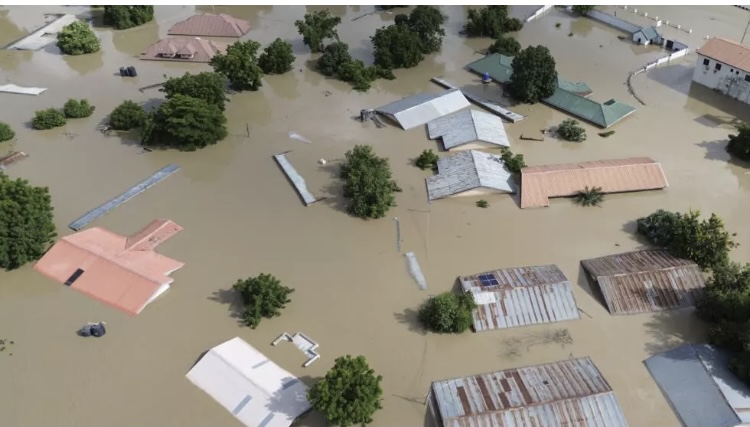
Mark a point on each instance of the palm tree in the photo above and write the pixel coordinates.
(590, 196)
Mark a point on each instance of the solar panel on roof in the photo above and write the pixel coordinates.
(488, 280)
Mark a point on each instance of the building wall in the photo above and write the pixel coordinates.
(473, 146)
(613, 21)
(640, 38)
(727, 79)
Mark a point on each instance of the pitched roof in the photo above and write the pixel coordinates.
(728, 52)
(539, 183)
(121, 271)
(419, 109)
(469, 170)
(466, 126)
(651, 33)
(201, 49)
(210, 25)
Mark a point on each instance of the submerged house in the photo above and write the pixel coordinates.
(724, 65)
(121, 271)
(469, 129)
(422, 108)
(470, 173)
(183, 50)
(647, 36)
(210, 25)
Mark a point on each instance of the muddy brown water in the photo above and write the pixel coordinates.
(353, 293)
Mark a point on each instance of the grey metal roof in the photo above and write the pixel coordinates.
(651, 33)
(702, 391)
(296, 179)
(646, 281)
(566, 393)
(463, 127)
(469, 170)
(521, 296)
(419, 109)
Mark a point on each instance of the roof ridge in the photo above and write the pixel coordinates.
(124, 267)
(594, 167)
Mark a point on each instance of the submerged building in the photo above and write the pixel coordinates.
(724, 65)
(419, 109)
(211, 25)
(183, 50)
(470, 173)
(469, 129)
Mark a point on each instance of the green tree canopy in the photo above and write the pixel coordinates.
(277, 57)
(48, 119)
(514, 162)
(124, 17)
(427, 22)
(263, 297)
(334, 56)
(505, 45)
(127, 115)
(26, 223)
(583, 10)
(571, 130)
(77, 39)
(534, 77)
(240, 65)
(349, 394)
(316, 28)
(490, 21)
(739, 145)
(210, 87)
(185, 123)
(75, 109)
(6, 132)
(368, 183)
(427, 160)
(396, 46)
(447, 313)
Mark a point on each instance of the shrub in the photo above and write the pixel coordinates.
(185, 123)
(127, 116)
(583, 10)
(75, 109)
(77, 39)
(505, 45)
(514, 163)
(367, 183)
(6, 133)
(739, 145)
(570, 130)
(592, 196)
(483, 204)
(124, 17)
(210, 87)
(427, 160)
(447, 313)
(491, 21)
(263, 297)
(48, 119)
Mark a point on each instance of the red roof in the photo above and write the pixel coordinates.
(210, 25)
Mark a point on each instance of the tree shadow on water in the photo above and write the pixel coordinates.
(288, 401)
(410, 318)
(231, 298)
(671, 328)
(333, 192)
(631, 227)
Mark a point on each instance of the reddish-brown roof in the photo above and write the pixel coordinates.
(121, 271)
(210, 25)
(728, 52)
(201, 50)
(540, 183)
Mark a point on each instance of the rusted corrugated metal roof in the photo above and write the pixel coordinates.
(540, 183)
(646, 281)
(567, 393)
(521, 296)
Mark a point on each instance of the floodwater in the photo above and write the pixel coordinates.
(353, 293)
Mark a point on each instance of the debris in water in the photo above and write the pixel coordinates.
(299, 137)
(415, 271)
(322, 161)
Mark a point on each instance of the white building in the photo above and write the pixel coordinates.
(724, 65)
(646, 36)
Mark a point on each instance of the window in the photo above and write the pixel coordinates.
(717, 67)
(747, 77)
(488, 280)
(706, 61)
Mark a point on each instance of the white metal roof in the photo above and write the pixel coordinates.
(469, 170)
(465, 126)
(424, 107)
(255, 390)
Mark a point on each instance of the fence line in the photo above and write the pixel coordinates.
(539, 12)
(655, 18)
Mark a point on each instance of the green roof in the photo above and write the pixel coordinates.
(651, 33)
(569, 97)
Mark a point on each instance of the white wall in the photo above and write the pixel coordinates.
(727, 80)
(539, 12)
(613, 21)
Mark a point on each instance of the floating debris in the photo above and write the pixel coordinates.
(299, 137)
(4, 343)
(415, 270)
(322, 161)
(21, 90)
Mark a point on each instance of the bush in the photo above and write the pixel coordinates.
(210, 87)
(739, 145)
(334, 56)
(514, 163)
(570, 130)
(396, 46)
(185, 123)
(240, 65)
(124, 17)
(447, 313)
(583, 10)
(77, 39)
(75, 109)
(263, 297)
(127, 116)
(316, 28)
(483, 204)
(6, 133)
(48, 119)
(505, 45)
(427, 160)
(277, 57)
(491, 21)
(367, 183)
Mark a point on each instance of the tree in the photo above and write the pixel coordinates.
(48, 119)
(570, 130)
(514, 162)
(534, 77)
(396, 46)
(124, 17)
(583, 10)
(77, 39)
(210, 87)
(590, 196)
(75, 109)
(263, 296)
(26, 223)
(349, 394)
(427, 160)
(491, 21)
(185, 123)
(277, 57)
(127, 116)
(447, 313)
(505, 45)
(240, 65)
(427, 23)
(368, 183)
(6, 132)
(739, 145)
(334, 56)
(358, 74)
(316, 28)
(704, 242)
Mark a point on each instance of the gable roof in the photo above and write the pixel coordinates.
(728, 52)
(651, 33)
(469, 170)
(258, 392)
(465, 126)
(201, 49)
(210, 25)
(419, 109)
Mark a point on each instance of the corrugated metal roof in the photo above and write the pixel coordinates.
(520, 296)
(646, 281)
(210, 25)
(651, 33)
(463, 127)
(469, 170)
(540, 183)
(566, 393)
(419, 109)
(728, 52)
(696, 381)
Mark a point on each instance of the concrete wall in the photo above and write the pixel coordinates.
(474, 146)
(539, 12)
(663, 60)
(727, 80)
(613, 21)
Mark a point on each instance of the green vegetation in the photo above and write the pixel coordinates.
(447, 313)
(316, 28)
(592, 196)
(26, 223)
(337, 62)
(368, 183)
(534, 77)
(571, 130)
(263, 297)
(48, 119)
(77, 39)
(75, 109)
(491, 21)
(739, 145)
(483, 204)
(349, 394)
(427, 23)
(240, 65)
(127, 116)
(505, 45)
(277, 57)
(185, 123)
(583, 10)
(606, 134)
(514, 162)
(124, 17)
(6, 132)
(210, 87)
(334, 56)
(403, 44)
(427, 160)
